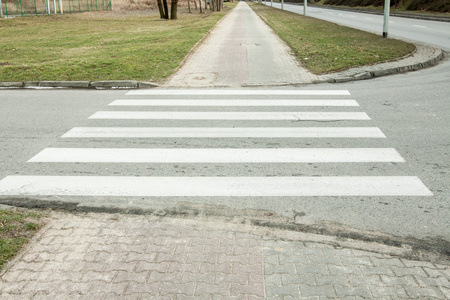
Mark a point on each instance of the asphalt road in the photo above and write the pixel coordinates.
(410, 109)
(414, 120)
(428, 32)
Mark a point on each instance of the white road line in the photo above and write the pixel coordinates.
(213, 186)
(224, 132)
(218, 155)
(240, 92)
(251, 116)
(232, 102)
(420, 26)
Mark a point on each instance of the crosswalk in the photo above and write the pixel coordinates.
(200, 114)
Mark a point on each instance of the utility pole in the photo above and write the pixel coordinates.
(305, 5)
(387, 6)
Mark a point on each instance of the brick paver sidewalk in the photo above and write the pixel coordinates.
(100, 256)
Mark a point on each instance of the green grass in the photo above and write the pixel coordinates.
(324, 47)
(16, 229)
(98, 46)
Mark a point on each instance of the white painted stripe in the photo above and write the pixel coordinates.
(250, 116)
(420, 26)
(218, 155)
(239, 92)
(224, 132)
(213, 186)
(232, 102)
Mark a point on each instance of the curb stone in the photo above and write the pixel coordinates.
(106, 84)
(424, 56)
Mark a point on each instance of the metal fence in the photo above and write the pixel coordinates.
(15, 8)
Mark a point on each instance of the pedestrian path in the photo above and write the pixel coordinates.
(220, 185)
(139, 257)
(240, 50)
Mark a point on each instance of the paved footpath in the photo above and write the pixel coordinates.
(240, 50)
(105, 256)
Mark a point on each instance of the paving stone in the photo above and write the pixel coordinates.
(246, 289)
(294, 259)
(423, 292)
(205, 277)
(323, 290)
(445, 291)
(416, 271)
(279, 269)
(292, 290)
(331, 280)
(173, 278)
(436, 272)
(68, 287)
(369, 280)
(168, 288)
(242, 278)
(346, 291)
(220, 267)
(221, 289)
(151, 266)
(319, 269)
(433, 281)
(356, 260)
(124, 276)
(395, 292)
(339, 270)
(325, 260)
(101, 288)
(366, 270)
(384, 262)
(138, 288)
(297, 279)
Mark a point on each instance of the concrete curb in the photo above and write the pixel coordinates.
(424, 56)
(106, 84)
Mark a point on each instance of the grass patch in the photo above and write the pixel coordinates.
(16, 229)
(324, 47)
(99, 45)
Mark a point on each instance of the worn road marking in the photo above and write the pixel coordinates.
(232, 102)
(218, 92)
(221, 155)
(252, 116)
(224, 132)
(213, 186)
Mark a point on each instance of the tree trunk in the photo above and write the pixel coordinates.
(173, 10)
(200, 5)
(161, 11)
(195, 5)
(166, 10)
(189, 6)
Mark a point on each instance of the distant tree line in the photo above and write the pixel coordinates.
(214, 5)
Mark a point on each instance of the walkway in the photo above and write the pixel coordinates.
(240, 50)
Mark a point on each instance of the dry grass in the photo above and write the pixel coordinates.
(117, 45)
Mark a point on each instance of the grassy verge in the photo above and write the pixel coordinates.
(99, 45)
(325, 47)
(16, 229)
